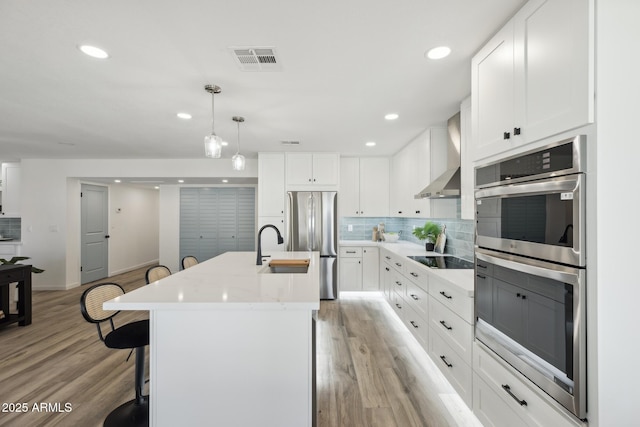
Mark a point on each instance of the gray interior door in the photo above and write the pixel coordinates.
(94, 248)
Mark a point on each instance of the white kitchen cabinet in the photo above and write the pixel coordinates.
(370, 269)
(534, 78)
(467, 177)
(11, 189)
(271, 188)
(350, 268)
(359, 268)
(312, 170)
(364, 186)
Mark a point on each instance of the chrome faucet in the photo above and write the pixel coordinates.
(280, 241)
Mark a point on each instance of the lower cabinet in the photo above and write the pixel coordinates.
(359, 268)
(503, 397)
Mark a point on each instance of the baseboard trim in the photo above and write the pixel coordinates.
(134, 267)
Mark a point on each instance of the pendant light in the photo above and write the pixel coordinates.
(212, 143)
(238, 159)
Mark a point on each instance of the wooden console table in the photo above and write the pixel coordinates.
(11, 274)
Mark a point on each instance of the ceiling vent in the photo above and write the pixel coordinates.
(256, 58)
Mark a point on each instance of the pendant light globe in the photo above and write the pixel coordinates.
(212, 143)
(238, 161)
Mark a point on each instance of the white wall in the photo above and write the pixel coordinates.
(618, 286)
(50, 205)
(133, 228)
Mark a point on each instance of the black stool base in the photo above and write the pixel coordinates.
(129, 414)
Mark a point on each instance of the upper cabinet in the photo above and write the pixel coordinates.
(413, 168)
(364, 186)
(534, 78)
(467, 178)
(11, 190)
(308, 170)
(271, 184)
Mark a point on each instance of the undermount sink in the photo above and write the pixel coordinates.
(283, 266)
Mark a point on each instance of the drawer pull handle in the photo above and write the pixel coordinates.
(398, 305)
(398, 264)
(413, 274)
(413, 324)
(415, 297)
(481, 276)
(351, 252)
(387, 257)
(443, 323)
(449, 365)
(398, 283)
(387, 268)
(481, 266)
(445, 295)
(508, 390)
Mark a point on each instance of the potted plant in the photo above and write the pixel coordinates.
(17, 259)
(429, 233)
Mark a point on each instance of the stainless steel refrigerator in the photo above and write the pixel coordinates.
(311, 221)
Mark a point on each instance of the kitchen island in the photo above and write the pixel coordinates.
(231, 343)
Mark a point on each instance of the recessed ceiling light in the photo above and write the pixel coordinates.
(185, 116)
(438, 52)
(116, 180)
(225, 180)
(225, 143)
(391, 116)
(94, 52)
(370, 144)
(181, 181)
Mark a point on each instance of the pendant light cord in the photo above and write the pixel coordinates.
(213, 127)
(238, 142)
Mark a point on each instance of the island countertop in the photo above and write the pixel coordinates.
(230, 281)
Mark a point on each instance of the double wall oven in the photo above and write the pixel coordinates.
(531, 267)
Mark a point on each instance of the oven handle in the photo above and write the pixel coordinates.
(534, 267)
(568, 183)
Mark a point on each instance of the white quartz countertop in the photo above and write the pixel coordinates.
(230, 281)
(460, 278)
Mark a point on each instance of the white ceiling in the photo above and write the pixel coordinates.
(345, 64)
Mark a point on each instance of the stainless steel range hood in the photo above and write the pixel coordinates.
(447, 185)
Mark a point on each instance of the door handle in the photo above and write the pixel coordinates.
(107, 236)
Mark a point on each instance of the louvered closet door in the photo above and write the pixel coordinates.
(216, 220)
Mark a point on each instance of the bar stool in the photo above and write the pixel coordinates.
(189, 261)
(156, 272)
(134, 335)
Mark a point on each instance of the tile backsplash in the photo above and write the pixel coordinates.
(459, 232)
(11, 228)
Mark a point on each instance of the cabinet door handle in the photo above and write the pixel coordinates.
(445, 295)
(508, 390)
(516, 131)
(413, 274)
(399, 212)
(443, 323)
(417, 212)
(444, 359)
(414, 324)
(506, 135)
(309, 179)
(314, 180)
(415, 297)
(387, 268)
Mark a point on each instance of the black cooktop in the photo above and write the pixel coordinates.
(443, 262)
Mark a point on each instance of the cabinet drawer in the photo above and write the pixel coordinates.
(417, 299)
(351, 251)
(539, 410)
(397, 303)
(452, 366)
(395, 261)
(12, 276)
(452, 297)
(417, 274)
(416, 325)
(399, 283)
(490, 409)
(457, 333)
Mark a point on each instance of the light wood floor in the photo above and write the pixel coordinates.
(370, 371)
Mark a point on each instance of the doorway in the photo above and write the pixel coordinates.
(94, 249)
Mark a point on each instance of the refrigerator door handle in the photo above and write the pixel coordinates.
(310, 225)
